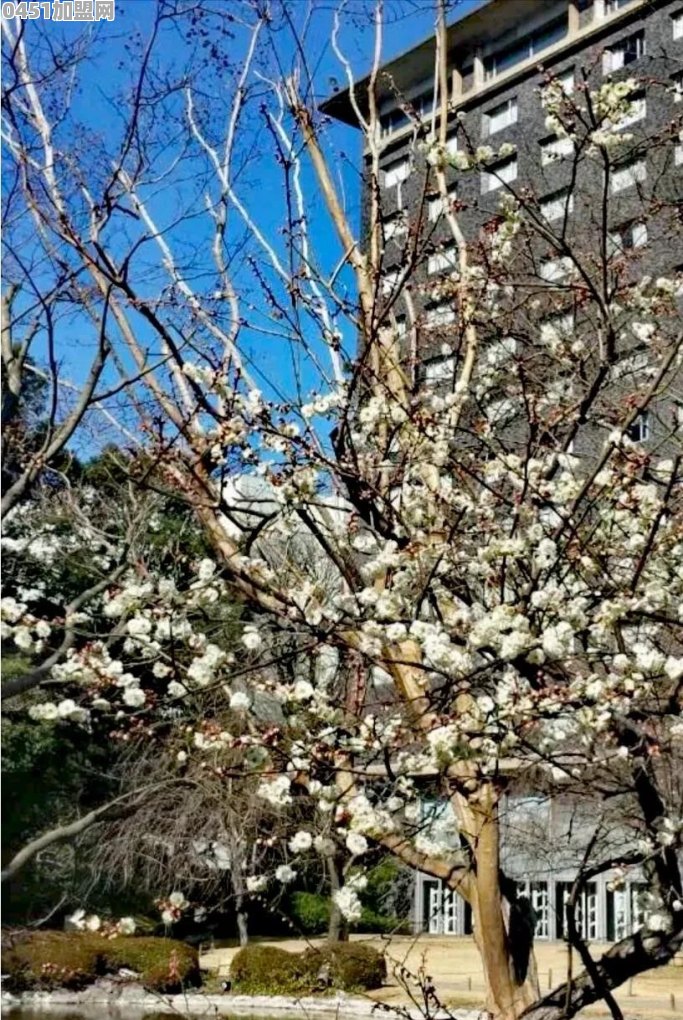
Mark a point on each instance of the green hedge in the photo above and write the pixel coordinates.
(311, 912)
(53, 959)
(267, 970)
(353, 966)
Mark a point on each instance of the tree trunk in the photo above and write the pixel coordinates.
(337, 929)
(626, 959)
(242, 921)
(503, 931)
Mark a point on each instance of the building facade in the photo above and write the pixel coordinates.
(542, 840)
(499, 58)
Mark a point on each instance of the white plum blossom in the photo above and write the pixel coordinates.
(276, 791)
(356, 844)
(285, 874)
(301, 842)
(302, 691)
(256, 883)
(134, 697)
(251, 638)
(240, 701)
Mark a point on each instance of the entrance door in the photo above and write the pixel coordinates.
(450, 912)
(586, 912)
(537, 893)
(434, 914)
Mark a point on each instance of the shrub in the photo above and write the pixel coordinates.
(266, 970)
(353, 966)
(311, 911)
(373, 923)
(53, 959)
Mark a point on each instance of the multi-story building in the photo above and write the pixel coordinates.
(500, 55)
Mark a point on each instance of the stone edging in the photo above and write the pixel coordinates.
(134, 999)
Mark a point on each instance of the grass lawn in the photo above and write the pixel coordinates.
(453, 964)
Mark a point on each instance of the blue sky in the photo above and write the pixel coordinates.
(116, 52)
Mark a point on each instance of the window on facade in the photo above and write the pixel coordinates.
(395, 227)
(389, 281)
(556, 270)
(637, 111)
(585, 909)
(677, 24)
(567, 81)
(396, 173)
(639, 431)
(678, 155)
(443, 261)
(498, 175)
(452, 144)
(440, 314)
(401, 326)
(437, 205)
(532, 44)
(623, 53)
(537, 894)
(561, 325)
(631, 235)
(438, 371)
(393, 121)
(500, 116)
(558, 205)
(615, 5)
(677, 86)
(555, 148)
(421, 106)
(500, 351)
(627, 175)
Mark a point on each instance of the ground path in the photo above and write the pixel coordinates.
(453, 964)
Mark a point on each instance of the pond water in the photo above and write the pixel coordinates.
(102, 1013)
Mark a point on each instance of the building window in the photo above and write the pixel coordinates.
(389, 282)
(627, 175)
(677, 24)
(440, 314)
(396, 173)
(501, 351)
(615, 5)
(677, 86)
(555, 148)
(566, 80)
(556, 270)
(637, 111)
(529, 46)
(631, 235)
(501, 116)
(401, 326)
(443, 261)
(623, 53)
(678, 155)
(420, 106)
(395, 227)
(585, 910)
(537, 894)
(639, 431)
(498, 175)
(557, 327)
(437, 205)
(439, 370)
(393, 121)
(558, 205)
